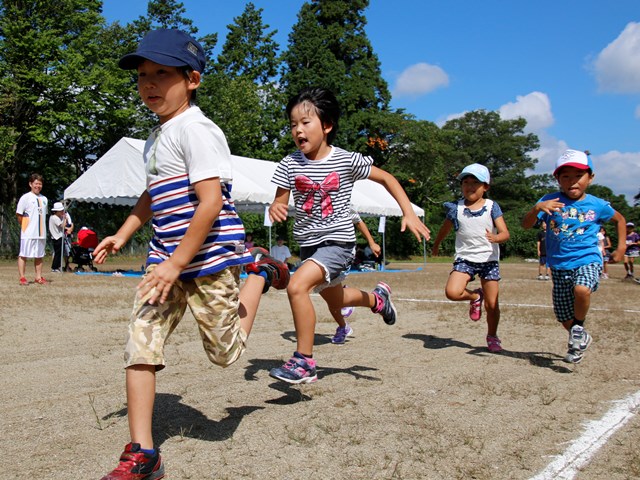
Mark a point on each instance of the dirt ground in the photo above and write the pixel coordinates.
(422, 399)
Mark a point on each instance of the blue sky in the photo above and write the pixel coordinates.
(570, 67)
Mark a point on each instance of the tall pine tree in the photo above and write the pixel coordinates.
(328, 47)
(241, 94)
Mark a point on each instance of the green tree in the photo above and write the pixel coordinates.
(163, 14)
(328, 47)
(57, 91)
(249, 50)
(240, 94)
(501, 145)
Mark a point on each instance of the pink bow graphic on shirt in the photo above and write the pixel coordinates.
(330, 184)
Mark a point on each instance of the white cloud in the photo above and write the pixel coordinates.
(619, 171)
(419, 79)
(617, 67)
(550, 150)
(534, 107)
(452, 116)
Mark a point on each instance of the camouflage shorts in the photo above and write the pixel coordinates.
(213, 301)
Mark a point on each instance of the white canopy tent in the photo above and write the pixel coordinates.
(118, 178)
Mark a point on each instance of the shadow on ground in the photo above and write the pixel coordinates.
(538, 359)
(172, 418)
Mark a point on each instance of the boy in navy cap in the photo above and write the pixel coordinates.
(197, 249)
(573, 220)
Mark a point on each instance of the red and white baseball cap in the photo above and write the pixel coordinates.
(574, 158)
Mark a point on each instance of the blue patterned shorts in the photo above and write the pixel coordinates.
(485, 270)
(564, 282)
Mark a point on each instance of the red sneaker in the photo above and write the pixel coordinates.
(40, 281)
(277, 271)
(137, 465)
(23, 281)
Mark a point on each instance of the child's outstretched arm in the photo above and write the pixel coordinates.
(442, 233)
(548, 207)
(409, 218)
(502, 234)
(375, 248)
(618, 254)
(279, 209)
(140, 214)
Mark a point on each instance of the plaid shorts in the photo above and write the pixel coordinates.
(564, 282)
(485, 270)
(213, 301)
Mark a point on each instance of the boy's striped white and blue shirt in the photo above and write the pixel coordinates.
(185, 150)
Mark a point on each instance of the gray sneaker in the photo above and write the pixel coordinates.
(385, 306)
(579, 341)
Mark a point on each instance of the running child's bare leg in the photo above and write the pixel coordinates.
(579, 338)
(334, 298)
(263, 273)
(141, 392)
(354, 297)
(250, 295)
(581, 303)
(456, 288)
(309, 275)
(490, 289)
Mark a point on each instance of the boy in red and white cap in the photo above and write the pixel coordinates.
(573, 220)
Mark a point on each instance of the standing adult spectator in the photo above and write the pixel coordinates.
(57, 226)
(31, 214)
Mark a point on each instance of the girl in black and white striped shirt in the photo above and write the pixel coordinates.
(321, 178)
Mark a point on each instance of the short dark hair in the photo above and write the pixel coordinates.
(186, 72)
(35, 176)
(325, 103)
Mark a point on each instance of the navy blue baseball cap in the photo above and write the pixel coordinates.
(173, 48)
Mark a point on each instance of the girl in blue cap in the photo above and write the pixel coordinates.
(479, 227)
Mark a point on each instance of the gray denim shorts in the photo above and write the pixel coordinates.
(333, 257)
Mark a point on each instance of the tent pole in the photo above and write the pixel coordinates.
(424, 250)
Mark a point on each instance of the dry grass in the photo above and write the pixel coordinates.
(422, 399)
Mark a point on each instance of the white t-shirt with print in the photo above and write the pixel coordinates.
(33, 209)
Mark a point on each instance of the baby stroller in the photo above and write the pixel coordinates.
(82, 250)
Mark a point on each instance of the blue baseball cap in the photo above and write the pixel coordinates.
(574, 158)
(476, 170)
(173, 48)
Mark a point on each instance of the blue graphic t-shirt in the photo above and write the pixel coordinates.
(572, 234)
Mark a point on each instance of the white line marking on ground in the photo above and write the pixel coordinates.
(596, 434)
(519, 305)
